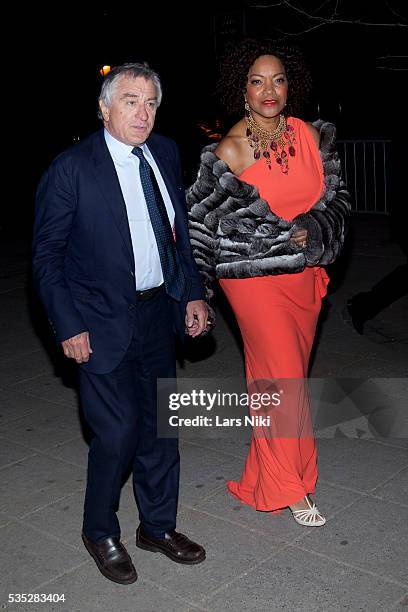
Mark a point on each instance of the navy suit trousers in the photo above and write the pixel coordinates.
(121, 409)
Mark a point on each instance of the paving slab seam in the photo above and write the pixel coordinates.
(11, 420)
(38, 451)
(57, 446)
(23, 516)
(41, 397)
(48, 582)
(160, 587)
(389, 501)
(31, 395)
(14, 358)
(364, 493)
(239, 524)
(49, 535)
(6, 434)
(163, 589)
(350, 566)
(7, 465)
(3, 436)
(78, 436)
(15, 423)
(7, 523)
(383, 482)
(250, 569)
(389, 444)
(24, 380)
(52, 503)
(336, 485)
(82, 466)
(28, 394)
(57, 459)
(14, 275)
(7, 437)
(25, 395)
(3, 292)
(213, 493)
(195, 607)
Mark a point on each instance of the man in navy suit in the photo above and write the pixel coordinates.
(113, 266)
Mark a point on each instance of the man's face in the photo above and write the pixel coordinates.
(130, 118)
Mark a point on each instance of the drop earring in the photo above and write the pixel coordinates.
(247, 109)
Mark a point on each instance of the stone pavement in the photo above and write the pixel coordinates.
(255, 561)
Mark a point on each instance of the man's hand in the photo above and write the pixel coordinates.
(299, 238)
(77, 347)
(196, 317)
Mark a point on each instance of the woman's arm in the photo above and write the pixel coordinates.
(326, 222)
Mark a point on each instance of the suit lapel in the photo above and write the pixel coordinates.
(108, 182)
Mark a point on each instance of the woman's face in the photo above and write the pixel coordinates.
(267, 86)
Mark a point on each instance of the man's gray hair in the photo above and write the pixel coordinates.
(132, 71)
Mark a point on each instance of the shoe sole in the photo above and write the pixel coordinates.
(311, 524)
(168, 554)
(104, 572)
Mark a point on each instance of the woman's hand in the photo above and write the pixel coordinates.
(299, 238)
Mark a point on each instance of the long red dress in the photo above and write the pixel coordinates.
(277, 316)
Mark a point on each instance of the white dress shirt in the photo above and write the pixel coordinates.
(148, 271)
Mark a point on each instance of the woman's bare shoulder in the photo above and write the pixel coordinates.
(230, 148)
(314, 132)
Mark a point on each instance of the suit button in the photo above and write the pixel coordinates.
(132, 274)
(131, 306)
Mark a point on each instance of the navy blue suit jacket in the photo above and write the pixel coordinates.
(83, 263)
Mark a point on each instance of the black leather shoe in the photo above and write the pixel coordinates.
(176, 546)
(112, 559)
(356, 320)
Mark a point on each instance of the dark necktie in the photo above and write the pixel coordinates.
(174, 280)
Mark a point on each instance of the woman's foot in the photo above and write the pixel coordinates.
(305, 512)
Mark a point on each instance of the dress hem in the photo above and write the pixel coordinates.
(274, 509)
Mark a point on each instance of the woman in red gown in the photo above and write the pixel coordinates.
(267, 211)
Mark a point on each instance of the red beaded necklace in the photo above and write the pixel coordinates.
(276, 141)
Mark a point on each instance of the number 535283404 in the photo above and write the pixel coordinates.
(35, 597)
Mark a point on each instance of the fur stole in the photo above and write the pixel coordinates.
(234, 234)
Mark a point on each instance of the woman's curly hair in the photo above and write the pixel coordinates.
(236, 62)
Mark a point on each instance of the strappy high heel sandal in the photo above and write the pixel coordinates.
(309, 517)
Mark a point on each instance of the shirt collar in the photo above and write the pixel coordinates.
(119, 150)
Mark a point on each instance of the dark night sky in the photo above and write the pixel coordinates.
(179, 43)
(63, 50)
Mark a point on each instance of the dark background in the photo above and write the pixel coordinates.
(62, 49)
